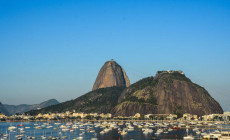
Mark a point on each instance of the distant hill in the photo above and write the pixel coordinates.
(13, 109)
(102, 100)
(169, 92)
(4, 110)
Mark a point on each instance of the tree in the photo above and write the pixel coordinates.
(151, 117)
(89, 117)
(78, 117)
(98, 117)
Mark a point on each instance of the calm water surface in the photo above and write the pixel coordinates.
(87, 131)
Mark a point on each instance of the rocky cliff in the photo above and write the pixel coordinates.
(111, 74)
(166, 93)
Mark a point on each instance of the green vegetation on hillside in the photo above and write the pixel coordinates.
(138, 87)
(100, 101)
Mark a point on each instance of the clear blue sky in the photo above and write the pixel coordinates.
(55, 49)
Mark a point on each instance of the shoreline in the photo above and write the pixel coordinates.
(113, 120)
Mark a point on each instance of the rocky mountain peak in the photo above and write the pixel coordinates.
(169, 92)
(111, 74)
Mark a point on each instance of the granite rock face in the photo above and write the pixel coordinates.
(166, 93)
(110, 75)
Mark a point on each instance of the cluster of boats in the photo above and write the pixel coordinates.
(95, 130)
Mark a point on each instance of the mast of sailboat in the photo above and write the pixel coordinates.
(9, 135)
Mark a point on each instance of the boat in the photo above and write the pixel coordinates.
(225, 135)
(188, 138)
(175, 127)
(43, 137)
(12, 128)
(80, 138)
(123, 132)
(20, 125)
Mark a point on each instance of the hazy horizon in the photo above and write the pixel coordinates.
(55, 49)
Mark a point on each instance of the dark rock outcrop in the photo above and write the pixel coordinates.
(111, 74)
(13, 109)
(166, 93)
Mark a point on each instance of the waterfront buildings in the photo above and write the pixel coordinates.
(137, 116)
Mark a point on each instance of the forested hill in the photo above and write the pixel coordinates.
(101, 101)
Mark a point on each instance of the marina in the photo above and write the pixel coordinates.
(114, 130)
